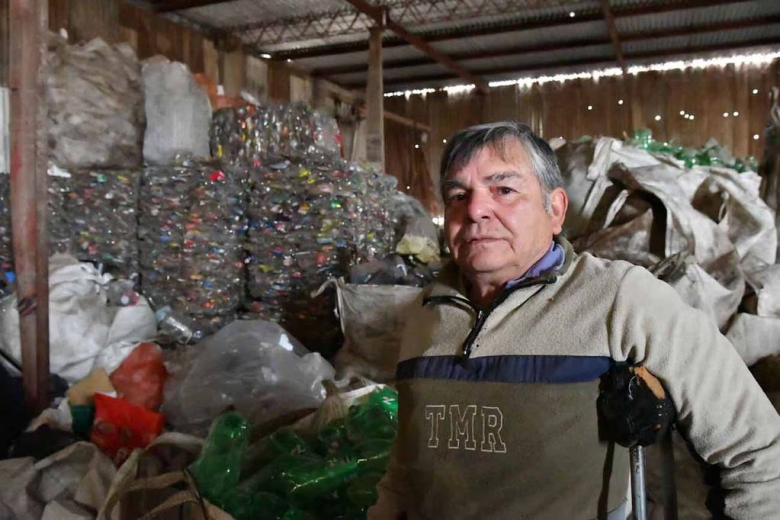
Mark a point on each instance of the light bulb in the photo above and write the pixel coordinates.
(620, 101)
(736, 113)
(590, 107)
(755, 137)
(725, 114)
(657, 118)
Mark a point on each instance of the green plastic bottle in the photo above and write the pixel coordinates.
(218, 467)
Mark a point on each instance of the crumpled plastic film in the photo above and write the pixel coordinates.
(249, 134)
(192, 227)
(309, 220)
(95, 102)
(102, 208)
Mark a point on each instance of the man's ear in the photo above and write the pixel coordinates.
(559, 202)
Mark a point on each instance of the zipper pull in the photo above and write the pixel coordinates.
(468, 345)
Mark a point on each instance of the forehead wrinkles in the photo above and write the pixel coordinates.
(508, 149)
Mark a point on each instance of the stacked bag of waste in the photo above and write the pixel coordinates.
(102, 208)
(250, 134)
(191, 229)
(699, 226)
(311, 220)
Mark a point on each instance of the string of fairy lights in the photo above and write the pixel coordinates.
(750, 60)
(758, 59)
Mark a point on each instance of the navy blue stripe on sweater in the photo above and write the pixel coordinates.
(506, 369)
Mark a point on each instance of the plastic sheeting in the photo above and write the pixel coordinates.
(254, 366)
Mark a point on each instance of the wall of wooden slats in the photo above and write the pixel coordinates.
(561, 109)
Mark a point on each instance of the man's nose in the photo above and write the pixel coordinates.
(479, 205)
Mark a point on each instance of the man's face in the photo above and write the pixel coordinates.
(494, 219)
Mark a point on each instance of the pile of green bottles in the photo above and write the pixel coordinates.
(288, 476)
(711, 154)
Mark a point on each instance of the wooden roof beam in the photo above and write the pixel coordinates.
(170, 6)
(380, 17)
(607, 10)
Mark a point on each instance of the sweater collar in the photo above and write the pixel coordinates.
(554, 263)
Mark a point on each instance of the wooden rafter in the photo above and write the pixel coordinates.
(613, 34)
(381, 18)
(170, 6)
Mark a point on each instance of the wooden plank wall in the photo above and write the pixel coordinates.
(118, 21)
(555, 110)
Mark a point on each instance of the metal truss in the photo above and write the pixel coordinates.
(410, 13)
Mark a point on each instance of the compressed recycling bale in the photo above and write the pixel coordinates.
(191, 231)
(102, 207)
(310, 220)
(95, 105)
(251, 134)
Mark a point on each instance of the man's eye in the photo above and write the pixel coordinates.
(505, 191)
(456, 197)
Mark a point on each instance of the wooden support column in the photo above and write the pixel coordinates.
(375, 124)
(28, 29)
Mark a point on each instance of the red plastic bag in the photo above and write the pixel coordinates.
(140, 378)
(121, 427)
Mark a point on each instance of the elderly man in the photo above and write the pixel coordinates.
(500, 363)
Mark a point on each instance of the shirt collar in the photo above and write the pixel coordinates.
(551, 261)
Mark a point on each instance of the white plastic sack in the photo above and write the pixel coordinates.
(84, 332)
(63, 486)
(754, 337)
(254, 366)
(372, 319)
(178, 113)
(732, 200)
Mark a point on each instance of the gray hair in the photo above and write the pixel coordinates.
(462, 147)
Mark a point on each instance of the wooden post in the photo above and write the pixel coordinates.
(28, 29)
(375, 125)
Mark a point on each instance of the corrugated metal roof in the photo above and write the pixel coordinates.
(698, 17)
(647, 27)
(531, 37)
(710, 39)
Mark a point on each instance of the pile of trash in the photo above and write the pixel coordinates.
(250, 134)
(284, 438)
(702, 229)
(191, 230)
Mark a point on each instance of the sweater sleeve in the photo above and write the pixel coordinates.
(720, 407)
